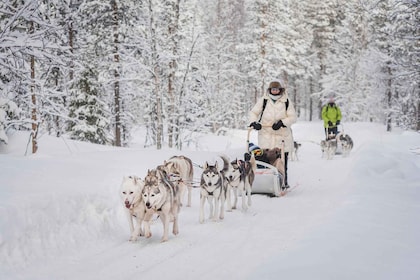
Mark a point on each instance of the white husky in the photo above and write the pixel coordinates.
(212, 189)
(180, 168)
(131, 196)
(159, 197)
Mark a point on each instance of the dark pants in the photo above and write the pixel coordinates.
(286, 157)
(333, 130)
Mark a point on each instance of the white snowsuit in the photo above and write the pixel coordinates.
(274, 111)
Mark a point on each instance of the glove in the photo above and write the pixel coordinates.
(278, 125)
(338, 122)
(255, 125)
(330, 123)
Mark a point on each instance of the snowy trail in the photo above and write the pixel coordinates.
(272, 225)
(342, 220)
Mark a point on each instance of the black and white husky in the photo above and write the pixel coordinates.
(346, 143)
(295, 150)
(160, 197)
(239, 178)
(212, 190)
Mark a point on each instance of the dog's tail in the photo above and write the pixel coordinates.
(225, 164)
(253, 163)
(190, 168)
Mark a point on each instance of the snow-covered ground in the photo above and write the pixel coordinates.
(346, 218)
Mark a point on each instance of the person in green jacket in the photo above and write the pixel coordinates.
(331, 114)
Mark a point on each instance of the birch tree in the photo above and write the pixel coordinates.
(31, 44)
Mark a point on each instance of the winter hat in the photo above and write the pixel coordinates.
(254, 149)
(276, 84)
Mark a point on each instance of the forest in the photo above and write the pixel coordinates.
(93, 70)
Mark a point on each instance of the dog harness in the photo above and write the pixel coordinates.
(218, 184)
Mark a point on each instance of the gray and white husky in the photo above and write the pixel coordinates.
(131, 196)
(346, 143)
(180, 169)
(294, 155)
(328, 148)
(160, 197)
(239, 178)
(212, 189)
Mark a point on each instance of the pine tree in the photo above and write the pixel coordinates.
(87, 112)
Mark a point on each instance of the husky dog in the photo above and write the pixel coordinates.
(180, 169)
(240, 177)
(323, 145)
(212, 189)
(346, 143)
(329, 148)
(294, 155)
(275, 157)
(131, 195)
(160, 197)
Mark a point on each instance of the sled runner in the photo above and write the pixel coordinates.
(268, 179)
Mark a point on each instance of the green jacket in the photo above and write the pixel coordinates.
(331, 112)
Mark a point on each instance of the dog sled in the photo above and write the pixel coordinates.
(268, 179)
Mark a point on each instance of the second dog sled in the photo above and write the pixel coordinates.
(268, 179)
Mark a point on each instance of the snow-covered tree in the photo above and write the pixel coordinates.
(31, 52)
(406, 57)
(96, 69)
(87, 112)
(8, 112)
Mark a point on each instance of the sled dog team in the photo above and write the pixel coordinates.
(163, 189)
(329, 147)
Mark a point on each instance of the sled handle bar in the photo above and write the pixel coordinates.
(250, 129)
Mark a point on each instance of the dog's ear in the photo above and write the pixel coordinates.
(206, 165)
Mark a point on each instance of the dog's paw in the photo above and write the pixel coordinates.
(133, 239)
(164, 239)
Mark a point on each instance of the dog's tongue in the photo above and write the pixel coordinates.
(127, 204)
